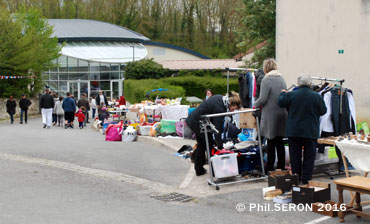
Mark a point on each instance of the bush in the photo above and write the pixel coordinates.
(145, 69)
(135, 90)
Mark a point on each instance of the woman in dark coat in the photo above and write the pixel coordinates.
(10, 108)
(303, 125)
(215, 104)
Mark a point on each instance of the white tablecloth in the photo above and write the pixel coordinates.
(175, 112)
(358, 154)
(150, 110)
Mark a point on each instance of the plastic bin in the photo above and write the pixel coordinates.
(225, 165)
(145, 130)
(168, 126)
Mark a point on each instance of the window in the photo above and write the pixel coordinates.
(72, 64)
(83, 66)
(62, 63)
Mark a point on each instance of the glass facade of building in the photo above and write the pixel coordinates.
(82, 76)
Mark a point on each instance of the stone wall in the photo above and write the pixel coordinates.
(32, 110)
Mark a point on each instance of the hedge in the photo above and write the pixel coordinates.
(135, 90)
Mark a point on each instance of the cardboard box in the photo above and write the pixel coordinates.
(312, 192)
(247, 120)
(282, 180)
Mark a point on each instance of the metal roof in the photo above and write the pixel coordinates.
(171, 46)
(91, 30)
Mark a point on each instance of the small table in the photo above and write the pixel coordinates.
(121, 113)
(355, 184)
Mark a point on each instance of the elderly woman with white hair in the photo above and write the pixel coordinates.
(303, 125)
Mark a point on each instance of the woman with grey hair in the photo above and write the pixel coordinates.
(303, 126)
(273, 118)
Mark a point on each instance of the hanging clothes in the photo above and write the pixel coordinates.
(244, 90)
(333, 121)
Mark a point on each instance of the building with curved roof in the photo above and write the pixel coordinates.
(95, 53)
(93, 57)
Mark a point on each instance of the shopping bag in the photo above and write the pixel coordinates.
(114, 132)
(129, 135)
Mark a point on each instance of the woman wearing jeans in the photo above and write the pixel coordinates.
(273, 118)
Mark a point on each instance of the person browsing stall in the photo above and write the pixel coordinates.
(303, 126)
(273, 118)
(208, 93)
(215, 104)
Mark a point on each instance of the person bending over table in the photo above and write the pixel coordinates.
(215, 104)
(303, 126)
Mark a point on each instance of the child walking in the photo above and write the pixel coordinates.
(58, 110)
(81, 117)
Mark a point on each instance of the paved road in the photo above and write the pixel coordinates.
(74, 176)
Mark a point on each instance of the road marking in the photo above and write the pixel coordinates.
(89, 171)
(328, 217)
(189, 177)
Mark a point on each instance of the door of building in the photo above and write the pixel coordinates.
(116, 89)
(78, 87)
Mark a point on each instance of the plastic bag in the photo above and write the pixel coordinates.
(130, 134)
(114, 132)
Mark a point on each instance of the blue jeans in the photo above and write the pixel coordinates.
(309, 154)
(25, 115)
(11, 117)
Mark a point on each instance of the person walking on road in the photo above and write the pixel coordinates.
(69, 107)
(58, 110)
(10, 108)
(24, 103)
(83, 102)
(47, 107)
(81, 118)
(93, 106)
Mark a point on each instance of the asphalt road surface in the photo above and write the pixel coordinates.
(74, 176)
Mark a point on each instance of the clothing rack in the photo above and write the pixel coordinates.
(340, 81)
(235, 70)
(206, 127)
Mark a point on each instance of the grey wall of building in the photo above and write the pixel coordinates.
(32, 110)
(310, 36)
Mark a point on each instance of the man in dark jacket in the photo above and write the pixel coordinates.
(215, 104)
(303, 126)
(83, 103)
(47, 106)
(69, 107)
(24, 103)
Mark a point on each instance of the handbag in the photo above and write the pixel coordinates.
(231, 131)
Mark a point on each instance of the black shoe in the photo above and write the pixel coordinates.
(65, 126)
(202, 172)
(21, 122)
(25, 122)
(44, 126)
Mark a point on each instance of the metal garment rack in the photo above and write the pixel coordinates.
(340, 81)
(234, 70)
(207, 127)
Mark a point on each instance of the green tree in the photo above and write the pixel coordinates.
(145, 69)
(259, 19)
(26, 49)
